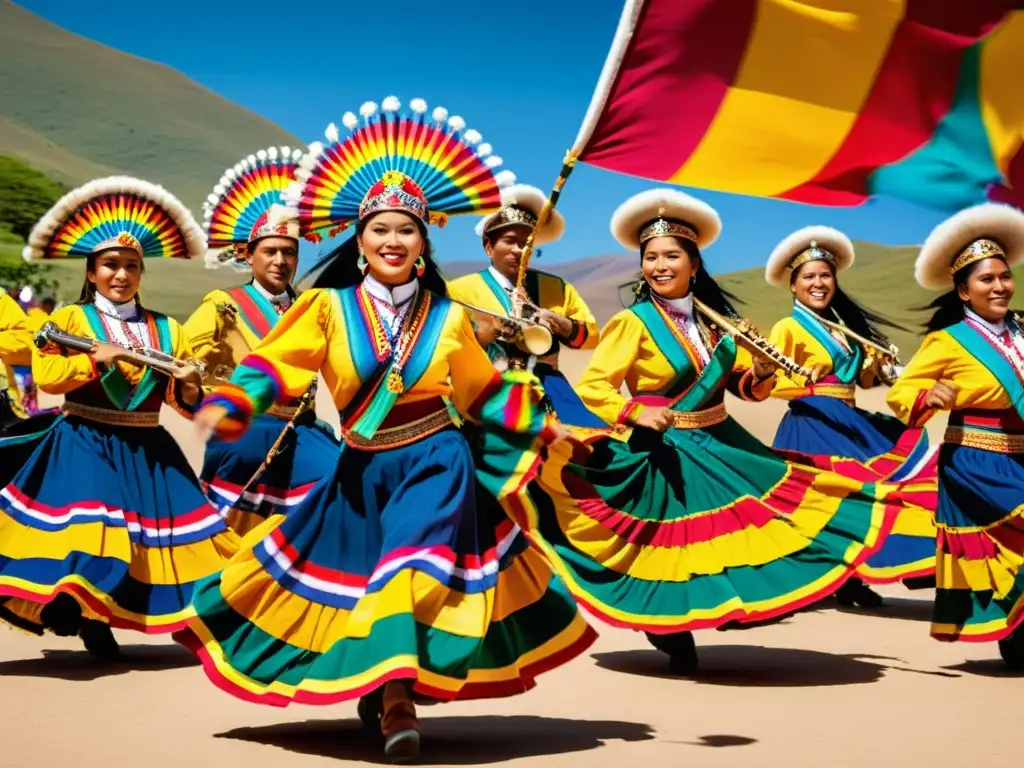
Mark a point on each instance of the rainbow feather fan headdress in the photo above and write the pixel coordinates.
(428, 165)
(239, 208)
(116, 212)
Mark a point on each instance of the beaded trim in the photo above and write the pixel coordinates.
(701, 419)
(395, 437)
(984, 440)
(979, 250)
(510, 215)
(664, 227)
(111, 416)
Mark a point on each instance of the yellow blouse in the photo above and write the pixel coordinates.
(61, 372)
(15, 346)
(796, 342)
(550, 292)
(338, 333)
(942, 358)
(627, 353)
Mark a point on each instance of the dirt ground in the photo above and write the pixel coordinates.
(826, 688)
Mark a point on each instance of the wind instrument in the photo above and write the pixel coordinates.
(147, 356)
(227, 332)
(889, 360)
(746, 334)
(535, 338)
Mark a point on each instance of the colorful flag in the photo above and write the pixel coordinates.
(827, 102)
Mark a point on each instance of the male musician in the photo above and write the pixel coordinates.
(556, 304)
(226, 326)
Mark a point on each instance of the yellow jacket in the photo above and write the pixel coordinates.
(15, 347)
(794, 341)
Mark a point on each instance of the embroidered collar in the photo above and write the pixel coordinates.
(128, 311)
(683, 306)
(996, 328)
(396, 296)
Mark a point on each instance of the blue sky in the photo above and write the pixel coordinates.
(521, 73)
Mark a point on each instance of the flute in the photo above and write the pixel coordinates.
(147, 356)
(745, 333)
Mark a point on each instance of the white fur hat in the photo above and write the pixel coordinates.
(973, 234)
(815, 243)
(520, 199)
(657, 212)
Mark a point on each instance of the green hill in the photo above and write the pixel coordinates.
(77, 109)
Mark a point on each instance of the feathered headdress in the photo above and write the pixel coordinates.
(247, 197)
(116, 212)
(427, 165)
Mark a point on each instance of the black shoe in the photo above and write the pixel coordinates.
(99, 641)
(370, 709)
(1012, 650)
(920, 582)
(681, 650)
(856, 593)
(62, 616)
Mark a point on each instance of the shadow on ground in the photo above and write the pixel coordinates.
(449, 740)
(904, 608)
(80, 666)
(755, 665)
(987, 668)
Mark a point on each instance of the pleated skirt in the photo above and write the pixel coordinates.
(389, 569)
(872, 447)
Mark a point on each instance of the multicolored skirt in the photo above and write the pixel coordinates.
(113, 517)
(870, 447)
(696, 528)
(386, 570)
(308, 454)
(979, 594)
(19, 441)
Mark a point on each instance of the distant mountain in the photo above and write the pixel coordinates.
(77, 109)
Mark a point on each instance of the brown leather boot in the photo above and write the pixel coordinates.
(399, 724)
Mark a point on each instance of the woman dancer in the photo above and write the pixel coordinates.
(106, 524)
(971, 364)
(386, 577)
(684, 520)
(825, 427)
(286, 450)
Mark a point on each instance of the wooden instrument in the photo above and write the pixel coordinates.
(746, 334)
(889, 357)
(146, 356)
(531, 335)
(231, 344)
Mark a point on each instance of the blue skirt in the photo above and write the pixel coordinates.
(564, 402)
(308, 454)
(386, 570)
(113, 517)
(19, 441)
(871, 447)
(979, 594)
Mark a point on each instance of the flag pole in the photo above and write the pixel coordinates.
(628, 21)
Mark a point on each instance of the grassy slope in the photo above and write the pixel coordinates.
(75, 109)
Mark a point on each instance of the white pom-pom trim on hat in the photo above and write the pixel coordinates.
(993, 221)
(331, 132)
(391, 104)
(419, 106)
(777, 270)
(350, 121)
(440, 114)
(456, 123)
(643, 208)
(369, 109)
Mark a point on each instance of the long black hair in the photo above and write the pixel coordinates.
(88, 293)
(853, 314)
(704, 288)
(948, 309)
(340, 267)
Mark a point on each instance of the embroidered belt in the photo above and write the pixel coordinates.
(701, 419)
(984, 440)
(839, 391)
(402, 434)
(113, 417)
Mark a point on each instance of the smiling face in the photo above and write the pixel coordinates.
(989, 289)
(391, 242)
(273, 261)
(505, 249)
(116, 274)
(667, 267)
(814, 284)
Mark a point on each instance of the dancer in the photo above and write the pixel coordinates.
(244, 215)
(386, 578)
(106, 524)
(971, 364)
(556, 303)
(679, 519)
(825, 427)
(15, 351)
